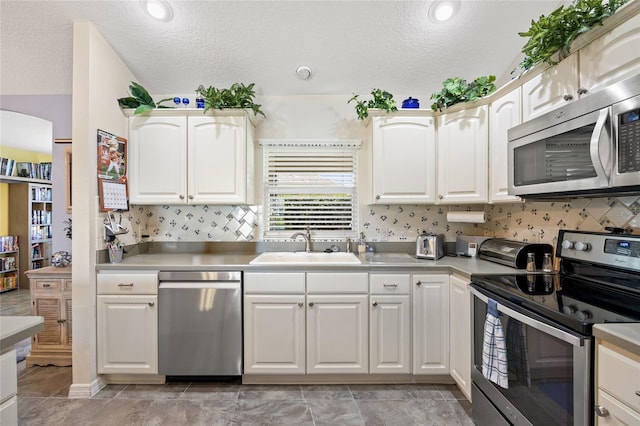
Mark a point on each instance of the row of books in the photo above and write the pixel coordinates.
(10, 167)
(9, 283)
(7, 263)
(40, 233)
(8, 243)
(40, 194)
(40, 217)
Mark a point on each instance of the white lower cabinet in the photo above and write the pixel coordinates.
(390, 323)
(431, 324)
(460, 333)
(8, 389)
(127, 323)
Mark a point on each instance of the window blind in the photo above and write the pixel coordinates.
(311, 186)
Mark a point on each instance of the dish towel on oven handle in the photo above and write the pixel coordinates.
(494, 348)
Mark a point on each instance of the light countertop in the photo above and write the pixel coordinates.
(376, 262)
(624, 335)
(16, 329)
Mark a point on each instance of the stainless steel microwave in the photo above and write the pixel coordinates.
(590, 147)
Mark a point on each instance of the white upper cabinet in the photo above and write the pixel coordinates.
(550, 89)
(462, 156)
(404, 159)
(612, 57)
(504, 113)
(196, 159)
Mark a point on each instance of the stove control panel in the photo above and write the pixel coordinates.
(618, 250)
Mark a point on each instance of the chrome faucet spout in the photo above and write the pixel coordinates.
(307, 239)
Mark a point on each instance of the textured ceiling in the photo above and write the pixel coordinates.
(351, 46)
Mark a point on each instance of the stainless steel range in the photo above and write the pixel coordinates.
(546, 321)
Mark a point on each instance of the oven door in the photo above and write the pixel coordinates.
(549, 370)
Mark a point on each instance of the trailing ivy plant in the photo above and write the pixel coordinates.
(381, 99)
(456, 90)
(141, 100)
(237, 96)
(554, 33)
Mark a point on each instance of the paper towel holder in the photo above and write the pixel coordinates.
(466, 216)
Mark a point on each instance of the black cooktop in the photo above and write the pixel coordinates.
(563, 299)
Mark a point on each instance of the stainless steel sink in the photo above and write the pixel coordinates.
(297, 258)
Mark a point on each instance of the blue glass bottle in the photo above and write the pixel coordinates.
(199, 101)
(185, 102)
(176, 101)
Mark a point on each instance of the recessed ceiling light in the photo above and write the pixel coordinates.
(443, 10)
(158, 9)
(303, 72)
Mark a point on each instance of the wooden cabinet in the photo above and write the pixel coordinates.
(9, 263)
(390, 323)
(403, 143)
(8, 388)
(337, 323)
(462, 156)
(618, 385)
(504, 113)
(51, 299)
(127, 335)
(460, 333)
(611, 57)
(191, 159)
(430, 324)
(30, 218)
(274, 323)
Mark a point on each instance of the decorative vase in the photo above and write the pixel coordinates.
(60, 259)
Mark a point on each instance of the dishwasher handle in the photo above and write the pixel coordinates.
(200, 285)
(232, 276)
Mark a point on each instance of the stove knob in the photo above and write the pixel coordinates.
(583, 315)
(569, 310)
(580, 246)
(566, 244)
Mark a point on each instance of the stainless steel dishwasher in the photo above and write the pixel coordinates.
(200, 323)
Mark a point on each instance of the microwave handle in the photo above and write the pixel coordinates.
(594, 146)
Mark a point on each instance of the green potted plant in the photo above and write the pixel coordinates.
(381, 99)
(141, 100)
(456, 90)
(554, 33)
(236, 96)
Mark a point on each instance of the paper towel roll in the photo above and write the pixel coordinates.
(466, 217)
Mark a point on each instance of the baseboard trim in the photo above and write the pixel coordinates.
(256, 379)
(86, 391)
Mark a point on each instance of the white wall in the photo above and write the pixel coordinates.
(99, 77)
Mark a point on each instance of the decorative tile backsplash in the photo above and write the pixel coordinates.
(531, 221)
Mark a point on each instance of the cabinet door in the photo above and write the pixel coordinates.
(550, 89)
(49, 305)
(157, 160)
(274, 334)
(337, 334)
(127, 334)
(460, 334)
(462, 156)
(619, 414)
(390, 334)
(402, 147)
(217, 153)
(504, 113)
(431, 324)
(612, 57)
(67, 323)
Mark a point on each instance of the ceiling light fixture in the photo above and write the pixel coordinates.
(443, 10)
(158, 9)
(303, 72)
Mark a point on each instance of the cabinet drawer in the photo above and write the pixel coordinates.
(619, 374)
(128, 283)
(333, 283)
(48, 285)
(8, 375)
(274, 283)
(390, 283)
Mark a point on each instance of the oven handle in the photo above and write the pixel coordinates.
(545, 328)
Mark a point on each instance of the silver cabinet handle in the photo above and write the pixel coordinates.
(377, 197)
(440, 197)
(181, 197)
(389, 285)
(582, 91)
(191, 197)
(567, 97)
(300, 304)
(151, 303)
(125, 285)
(375, 303)
(419, 283)
(311, 304)
(602, 411)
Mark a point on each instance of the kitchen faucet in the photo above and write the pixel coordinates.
(307, 239)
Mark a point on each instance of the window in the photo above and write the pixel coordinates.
(313, 185)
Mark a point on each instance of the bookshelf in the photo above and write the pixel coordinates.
(30, 218)
(9, 263)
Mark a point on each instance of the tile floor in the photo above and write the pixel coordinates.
(42, 400)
